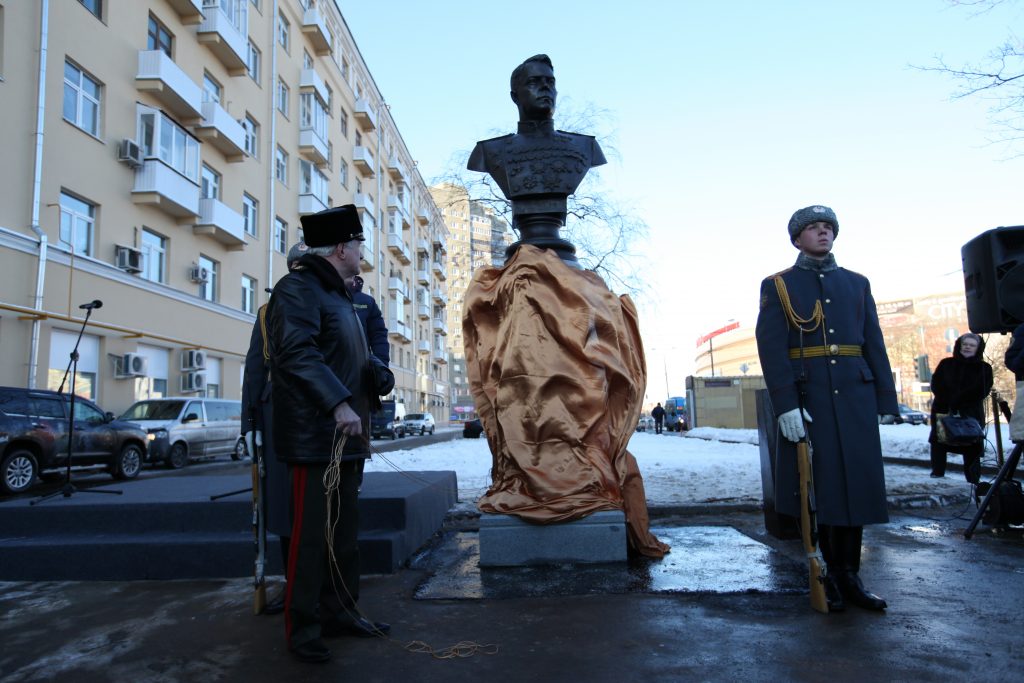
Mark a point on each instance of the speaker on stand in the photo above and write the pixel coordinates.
(994, 279)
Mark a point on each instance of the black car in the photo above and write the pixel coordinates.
(472, 429)
(34, 437)
(910, 416)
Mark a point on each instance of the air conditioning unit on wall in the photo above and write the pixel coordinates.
(193, 359)
(193, 382)
(133, 365)
(199, 275)
(130, 153)
(129, 259)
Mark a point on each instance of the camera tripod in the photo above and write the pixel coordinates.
(1006, 471)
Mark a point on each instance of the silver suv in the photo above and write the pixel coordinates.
(421, 423)
(181, 428)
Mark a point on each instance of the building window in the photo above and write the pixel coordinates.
(314, 182)
(280, 235)
(211, 89)
(344, 68)
(330, 99)
(163, 139)
(283, 37)
(252, 62)
(312, 114)
(252, 136)
(282, 97)
(81, 99)
(307, 61)
(343, 173)
(210, 184)
(248, 294)
(154, 256)
(158, 37)
(94, 6)
(250, 213)
(208, 289)
(77, 223)
(281, 166)
(344, 122)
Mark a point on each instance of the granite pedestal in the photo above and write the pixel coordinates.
(507, 541)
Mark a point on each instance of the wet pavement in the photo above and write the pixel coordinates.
(728, 604)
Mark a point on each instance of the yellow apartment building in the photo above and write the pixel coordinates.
(158, 156)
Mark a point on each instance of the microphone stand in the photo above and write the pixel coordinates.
(69, 489)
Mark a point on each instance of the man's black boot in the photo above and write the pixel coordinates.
(852, 588)
(313, 651)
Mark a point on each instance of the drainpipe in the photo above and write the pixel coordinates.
(272, 149)
(37, 176)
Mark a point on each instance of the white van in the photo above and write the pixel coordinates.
(180, 428)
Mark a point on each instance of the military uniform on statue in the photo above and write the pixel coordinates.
(554, 358)
(818, 333)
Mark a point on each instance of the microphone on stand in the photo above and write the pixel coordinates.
(95, 303)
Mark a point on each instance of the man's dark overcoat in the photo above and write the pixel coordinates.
(845, 394)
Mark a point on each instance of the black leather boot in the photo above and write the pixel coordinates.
(833, 564)
(852, 588)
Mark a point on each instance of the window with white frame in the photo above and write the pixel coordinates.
(307, 61)
(313, 181)
(343, 118)
(163, 139)
(312, 114)
(248, 294)
(158, 36)
(81, 99)
(283, 37)
(252, 62)
(208, 289)
(77, 224)
(344, 67)
(210, 185)
(330, 99)
(211, 89)
(250, 214)
(283, 93)
(280, 235)
(343, 173)
(252, 136)
(281, 165)
(154, 256)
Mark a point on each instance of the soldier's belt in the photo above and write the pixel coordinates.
(830, 350)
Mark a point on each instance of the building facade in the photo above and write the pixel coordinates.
(161, 153)
(478, 238)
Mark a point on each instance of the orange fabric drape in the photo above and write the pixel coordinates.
(557, 372)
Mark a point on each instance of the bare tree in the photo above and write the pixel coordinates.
(603, 229)
(998, 78)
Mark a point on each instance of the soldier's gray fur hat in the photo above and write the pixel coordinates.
(812, 214)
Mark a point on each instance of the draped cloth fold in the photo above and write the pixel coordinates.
(557, 373)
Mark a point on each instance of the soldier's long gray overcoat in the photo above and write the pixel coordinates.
(845, 394)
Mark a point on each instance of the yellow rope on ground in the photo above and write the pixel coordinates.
(460, 650)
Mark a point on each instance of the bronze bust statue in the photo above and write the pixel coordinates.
(537, 167)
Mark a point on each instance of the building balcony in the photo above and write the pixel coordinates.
(398, 205)
(157, 184)
(423, 311)
(396, 169)
(399, 248)
(422, 216)
(310, 81)
(440, 298)
(439, 271)
(222, 131)
(189, 11)
(399, 330)
(423, 346)
(363, 202)
(309, 203)
(440, 326)
(225, 40)
(396, 285)
(365, 116)
(162, 78)
(440, 354)
(368, 260)
(422, 245)
(363, 160)
(423, 276)
(440, 242)
(222, 223)
(313, 147)
(314, 27)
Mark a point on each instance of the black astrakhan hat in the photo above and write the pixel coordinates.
(332, 226)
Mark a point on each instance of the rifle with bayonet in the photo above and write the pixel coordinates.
(259, 525)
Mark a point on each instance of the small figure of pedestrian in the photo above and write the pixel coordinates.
(960, 385)
(659, 418)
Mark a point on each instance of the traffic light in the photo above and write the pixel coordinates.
(924, 372)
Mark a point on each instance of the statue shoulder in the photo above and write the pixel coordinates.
(478, 157)
(589, 143)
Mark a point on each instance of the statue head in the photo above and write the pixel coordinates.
(533, 89)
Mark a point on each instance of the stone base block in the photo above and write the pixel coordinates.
(507, 541)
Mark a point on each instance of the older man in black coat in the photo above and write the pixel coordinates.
(324, 382)
(821, 346)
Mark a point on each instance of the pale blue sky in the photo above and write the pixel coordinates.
(729, 116)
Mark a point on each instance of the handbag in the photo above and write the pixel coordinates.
(955, 430)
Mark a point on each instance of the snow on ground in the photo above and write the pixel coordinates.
(704, 465)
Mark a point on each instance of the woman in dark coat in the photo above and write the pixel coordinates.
(960, 385)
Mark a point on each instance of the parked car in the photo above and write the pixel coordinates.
(645, 424)
(472, 429)
(388, 421)
(422, 423)
(910, 416)
(34, 437)
(180, 428)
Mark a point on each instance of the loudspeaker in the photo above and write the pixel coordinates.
(994, 279)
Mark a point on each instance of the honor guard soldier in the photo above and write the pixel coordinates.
(818, 338)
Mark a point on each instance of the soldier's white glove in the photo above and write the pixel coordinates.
(886, 419)
(253, 437)
(792, 426)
